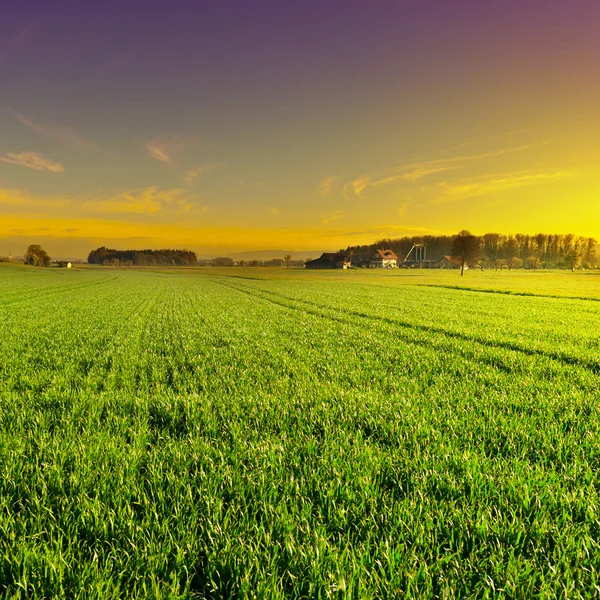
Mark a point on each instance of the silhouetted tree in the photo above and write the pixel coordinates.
(465, 249)
(142, 258)
(223, 261)
(287, 259)
(36, 256)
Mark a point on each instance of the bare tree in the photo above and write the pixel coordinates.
(465, 249)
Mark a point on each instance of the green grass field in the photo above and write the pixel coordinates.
(262, 433)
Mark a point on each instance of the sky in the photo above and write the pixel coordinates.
(249, 125)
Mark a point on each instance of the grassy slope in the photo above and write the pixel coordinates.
(268, 433)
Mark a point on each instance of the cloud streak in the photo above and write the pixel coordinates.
(332, 216)
(168, 204)
(164, 148)
(32, 160)
(19, 199)
(491, 184)
(61, 133)
(193, 174)
(146, 201)
(328, 185)
(412, 172)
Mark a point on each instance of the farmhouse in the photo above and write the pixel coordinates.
(330, 260)
(384, 259)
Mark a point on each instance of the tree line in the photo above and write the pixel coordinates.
(226, 261)
(496, 250)
(142, 258)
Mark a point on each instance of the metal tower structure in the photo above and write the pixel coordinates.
(420, 254)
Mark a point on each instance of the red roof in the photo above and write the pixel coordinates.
(388, 254)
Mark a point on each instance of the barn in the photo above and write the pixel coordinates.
(448, 262)
(330, 260)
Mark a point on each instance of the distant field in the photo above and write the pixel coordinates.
(270, 433)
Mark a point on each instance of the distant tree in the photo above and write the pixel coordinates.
(573, 259)
(465, 249)
(515, 263)
(533, 262)
(36, 256)
(287, 259)
(142, 258)
(223, 261)
(273, 262)
(590, 252)
(499, 263)
(511, 248)
(242, 262)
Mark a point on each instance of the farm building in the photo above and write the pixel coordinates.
(384, 259)
(448, 262)
(330, 260)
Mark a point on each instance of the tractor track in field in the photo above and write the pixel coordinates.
(460, 288)
(53, 291)
(440, 346)
(320, 310)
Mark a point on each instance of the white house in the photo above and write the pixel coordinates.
(384, 259)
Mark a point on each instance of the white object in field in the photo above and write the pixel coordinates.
(68, 265)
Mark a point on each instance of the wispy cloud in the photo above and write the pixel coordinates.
(491, 184)
(166, 147)
(193, 174)
(411, 176)
(329, 185)
(32, 160)
(20, 199)
(498, 136)
(146, 201)
(411, 172)
(173, 204)
(332, 216)
(61, 133)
